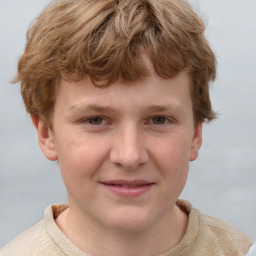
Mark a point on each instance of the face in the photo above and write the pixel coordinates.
(124, 150)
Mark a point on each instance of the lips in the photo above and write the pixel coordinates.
(129, 186)
(125, 188)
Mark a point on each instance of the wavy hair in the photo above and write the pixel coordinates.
(105, 40)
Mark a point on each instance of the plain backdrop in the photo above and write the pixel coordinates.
(221, 182)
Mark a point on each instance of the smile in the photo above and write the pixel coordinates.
(128, 189)
(129, 186)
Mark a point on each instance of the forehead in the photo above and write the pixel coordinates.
(152, 93)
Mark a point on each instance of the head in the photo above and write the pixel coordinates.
(118, 92)
(110, 41)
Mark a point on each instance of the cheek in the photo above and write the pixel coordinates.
(174, 151)
(173, 161)
(80, 166)
(80, 157)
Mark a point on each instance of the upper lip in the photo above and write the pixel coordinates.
(127, 182)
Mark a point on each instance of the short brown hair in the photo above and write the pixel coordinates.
(105, 39)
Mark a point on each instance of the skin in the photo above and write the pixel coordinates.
(128, 132)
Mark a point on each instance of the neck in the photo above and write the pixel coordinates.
(96, 241)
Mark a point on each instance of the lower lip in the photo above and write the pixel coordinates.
(128, 191)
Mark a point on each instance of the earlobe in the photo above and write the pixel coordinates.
(196, 143)
(45, 138)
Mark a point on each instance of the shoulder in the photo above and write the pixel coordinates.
(33, 242)
(224, 236)
(211, 236)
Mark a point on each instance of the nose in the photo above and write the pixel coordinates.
(129, 148)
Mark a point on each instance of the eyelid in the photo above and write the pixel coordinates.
(168, 119)
(105, 120)
(86, 120)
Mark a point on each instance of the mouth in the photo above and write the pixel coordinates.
(126, 188)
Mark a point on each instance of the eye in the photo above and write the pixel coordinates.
(95, 120)
(159, 120)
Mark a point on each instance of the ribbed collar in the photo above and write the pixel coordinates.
(68, 248)
(183, 248)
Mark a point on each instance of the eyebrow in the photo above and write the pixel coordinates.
(177, 108)
(165, 107)
(90, 107)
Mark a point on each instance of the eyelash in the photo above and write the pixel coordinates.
(87, 120)
(166, 120)
(103, 120)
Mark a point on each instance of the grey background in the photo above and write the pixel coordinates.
(221, 182)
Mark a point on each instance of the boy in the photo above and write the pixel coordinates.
(118, 92)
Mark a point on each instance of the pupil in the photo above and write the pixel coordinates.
(95, 120)
(159, 120)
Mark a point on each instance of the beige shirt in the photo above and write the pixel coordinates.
(205, 236)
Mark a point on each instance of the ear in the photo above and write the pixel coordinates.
(196, 143)
(45, 138)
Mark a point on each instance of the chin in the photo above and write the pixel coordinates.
(130, 220)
